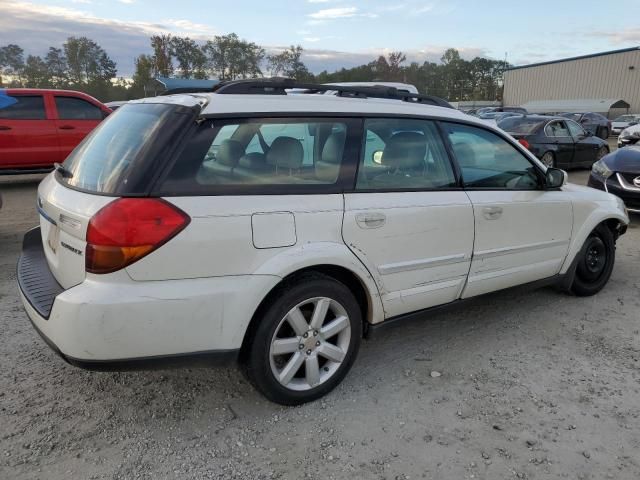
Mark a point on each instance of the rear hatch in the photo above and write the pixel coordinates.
(121, 158)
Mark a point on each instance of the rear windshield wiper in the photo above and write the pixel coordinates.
(62, 170)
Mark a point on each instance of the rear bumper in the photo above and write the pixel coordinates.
(111, 322)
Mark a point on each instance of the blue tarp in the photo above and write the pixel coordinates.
(6, 100)
(173, 83)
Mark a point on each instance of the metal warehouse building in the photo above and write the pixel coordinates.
(611, 75)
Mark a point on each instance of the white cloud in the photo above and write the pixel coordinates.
(128, 2)
(338, 12)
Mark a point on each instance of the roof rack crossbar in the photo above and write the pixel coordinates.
(281, 86)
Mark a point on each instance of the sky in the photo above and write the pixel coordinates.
(335, 33)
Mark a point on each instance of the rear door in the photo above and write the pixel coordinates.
(558, 140)
(27, 132)
(76, 117)
(522, 231)
(407, 220)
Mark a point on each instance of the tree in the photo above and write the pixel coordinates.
(143, 75)
(87, 63)
(57, 67)
(11, 61)
(190, 57)
(289, 63)
(162, 56)
(35, 73)
(230, 57)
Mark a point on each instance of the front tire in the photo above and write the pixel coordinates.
(306, 341)
(595, 263)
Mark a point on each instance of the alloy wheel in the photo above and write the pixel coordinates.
(547, 160)
(310, 343)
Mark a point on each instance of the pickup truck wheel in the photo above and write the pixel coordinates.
(306, 341)
(595, 263)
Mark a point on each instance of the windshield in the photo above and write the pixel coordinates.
(519, 125)
(626, 118)
(117, 157)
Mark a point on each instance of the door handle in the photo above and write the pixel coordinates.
(67, 127)
(492, 213)
(371, 220)
(4, 127)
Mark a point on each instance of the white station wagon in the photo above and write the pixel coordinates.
(276, 230)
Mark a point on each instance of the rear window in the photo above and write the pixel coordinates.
(22, 107)
(519, 126)
(122, 155)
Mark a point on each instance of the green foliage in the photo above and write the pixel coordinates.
(230, 57)
(289, 63)
(11, 62)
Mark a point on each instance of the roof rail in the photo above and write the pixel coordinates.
(280, 86)
(174, 91)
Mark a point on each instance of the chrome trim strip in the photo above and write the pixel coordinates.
(626, 185)
(422, 263)
(45, 215)
(633, 210)
(523, 248)
(71, 222)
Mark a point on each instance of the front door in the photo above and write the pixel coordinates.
(522, 231)
(27, 138)
(407, 221)
(586, 145)
(76, 118)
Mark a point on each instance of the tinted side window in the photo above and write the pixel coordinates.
(401, 154)
(274, 155)
(557, 129)
(70, 108)
(23, 107)
(488, 161)
(575, 129)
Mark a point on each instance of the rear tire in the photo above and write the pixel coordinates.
(306, 341)
(602, 152)
(605, 133)
(595, 263)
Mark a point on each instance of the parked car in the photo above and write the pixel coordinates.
(486, 110)
(629, 136)
(116, 104)
(619, 173)
(597, 124)
(41, 127)
(247, 224)
(622, 122)
(556, 141)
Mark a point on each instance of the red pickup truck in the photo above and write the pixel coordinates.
(40, 127)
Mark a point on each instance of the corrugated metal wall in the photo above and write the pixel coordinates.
(606, 76)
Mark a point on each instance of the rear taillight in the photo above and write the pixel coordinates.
(524, 143)
(127, 229)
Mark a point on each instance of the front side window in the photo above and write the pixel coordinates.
(71, 108)
(22, 107)
(228, 156)
(488, 161)
(575, 129)
(402, 154)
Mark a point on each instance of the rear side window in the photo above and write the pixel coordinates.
(261, 156)
(22, 107)
(71, 108)
(402, 154)
(123, 155)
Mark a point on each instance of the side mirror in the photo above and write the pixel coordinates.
(632, 124)
(555, 178)
(377, 157)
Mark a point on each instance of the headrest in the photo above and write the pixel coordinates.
(286, 152)
(464, 154)
(229, 153)
(334, 148)
(405, 150)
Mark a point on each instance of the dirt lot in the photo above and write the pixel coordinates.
(534, 385)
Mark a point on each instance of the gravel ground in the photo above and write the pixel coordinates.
(533, 384)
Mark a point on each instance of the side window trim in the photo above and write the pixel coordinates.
(346, 177)
(439, 135)
(56, 96)
(513, 143)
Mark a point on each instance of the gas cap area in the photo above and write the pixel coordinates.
(273, 230)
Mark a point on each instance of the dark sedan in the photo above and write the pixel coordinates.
(619, 173)
(597, 124)
(556, 141)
